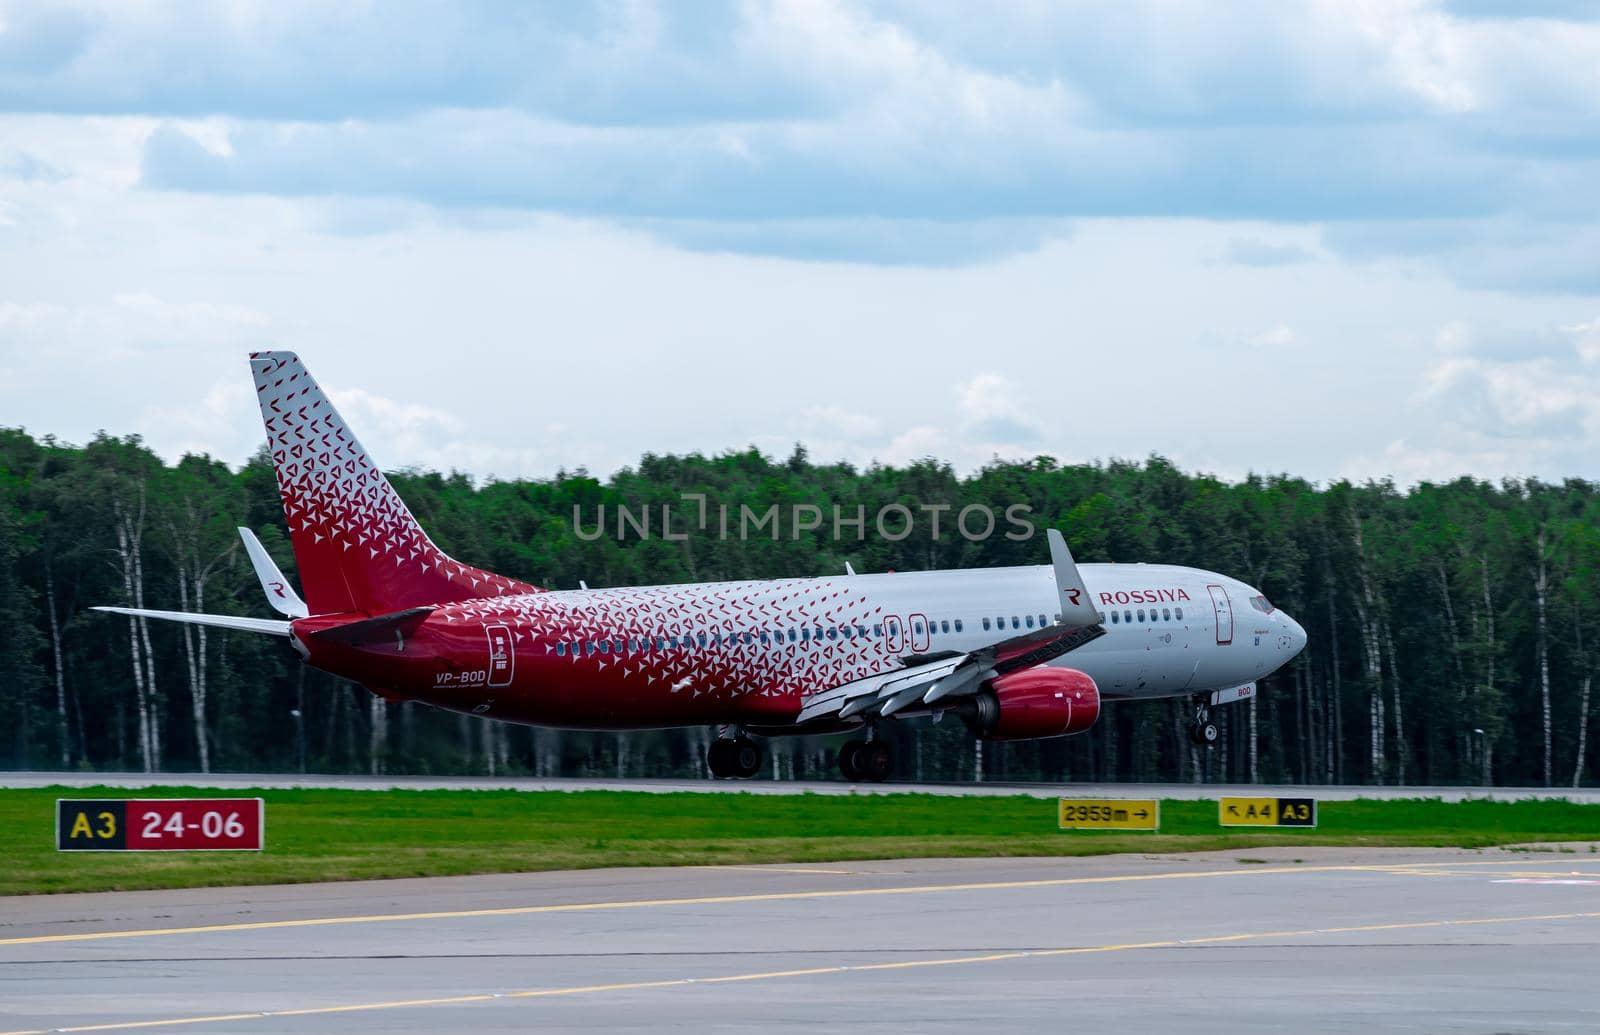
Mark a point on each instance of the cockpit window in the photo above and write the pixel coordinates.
(1261, 604)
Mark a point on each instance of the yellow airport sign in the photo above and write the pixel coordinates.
(1267, 812)
(1109, 814)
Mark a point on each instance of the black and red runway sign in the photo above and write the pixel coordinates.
(160, 825)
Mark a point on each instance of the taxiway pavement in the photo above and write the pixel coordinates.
(1263, 940)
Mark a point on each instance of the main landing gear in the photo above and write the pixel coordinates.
(871, 760)
(735, 757)
(1202, 731)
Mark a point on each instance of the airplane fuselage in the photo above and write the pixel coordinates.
(1020, 653)
(761, 653)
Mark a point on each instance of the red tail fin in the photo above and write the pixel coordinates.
(356, 545)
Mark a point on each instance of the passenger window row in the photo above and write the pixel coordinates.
(1018, 622)
(1166, 614)
(807, 635)
(767, 637)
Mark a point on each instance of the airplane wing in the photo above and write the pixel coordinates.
(927, 679)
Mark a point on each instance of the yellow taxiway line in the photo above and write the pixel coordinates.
(1409, 869)
(772, 975)
(709, 900)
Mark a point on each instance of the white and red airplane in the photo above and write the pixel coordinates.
(1017, 653)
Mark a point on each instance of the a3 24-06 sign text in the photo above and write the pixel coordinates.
(160, 825)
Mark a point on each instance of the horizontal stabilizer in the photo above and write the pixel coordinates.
(373, 630)
(271, 626)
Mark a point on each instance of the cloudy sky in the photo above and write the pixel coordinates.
(1340, 239)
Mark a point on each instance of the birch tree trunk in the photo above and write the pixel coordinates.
(1371, 648)
(1583, 728)
(378, 735)
(1583, 695)
(128, 525)
(63, 726)
(547, 761)
(1488, 668)
(152, 694)
(1302, 742)
(194, 655)
(1399, 714)
(1333, 719)
(1541, 588)
(1255, 776)
(1450, 620)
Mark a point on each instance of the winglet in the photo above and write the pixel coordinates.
(1077, 609)
(280, 594)
(848, 570)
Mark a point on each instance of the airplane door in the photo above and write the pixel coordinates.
(894, 634)
(1224, 609)
(502, 655)
(921, 633)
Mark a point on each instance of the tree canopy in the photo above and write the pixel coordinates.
(1452, 627)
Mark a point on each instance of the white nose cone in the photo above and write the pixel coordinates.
(1296, 636)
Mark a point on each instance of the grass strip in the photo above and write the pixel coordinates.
(326, 835)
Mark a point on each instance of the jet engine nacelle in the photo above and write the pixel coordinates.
(1034, 704)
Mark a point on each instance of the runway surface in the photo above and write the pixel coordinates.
(1301, 939)
(1180, 791)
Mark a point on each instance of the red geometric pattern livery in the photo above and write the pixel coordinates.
(737, 636)
(356, 545)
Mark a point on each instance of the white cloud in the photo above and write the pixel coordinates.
(1407, 463)
(888, 229)
(992, 412)
(1252, 251)
(835, 421)
(1278, 336)
(1491, 409)
(1586, 336)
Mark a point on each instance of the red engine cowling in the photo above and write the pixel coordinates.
(1036, 703)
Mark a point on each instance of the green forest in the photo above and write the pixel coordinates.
(1453, 628)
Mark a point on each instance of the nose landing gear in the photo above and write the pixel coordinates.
(736, 757)
(1202, 731)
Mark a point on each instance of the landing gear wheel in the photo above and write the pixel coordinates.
(850, 758)
(746, 757)
(1202, 731)
(876, 761)
(719, 758)
(733, 758)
